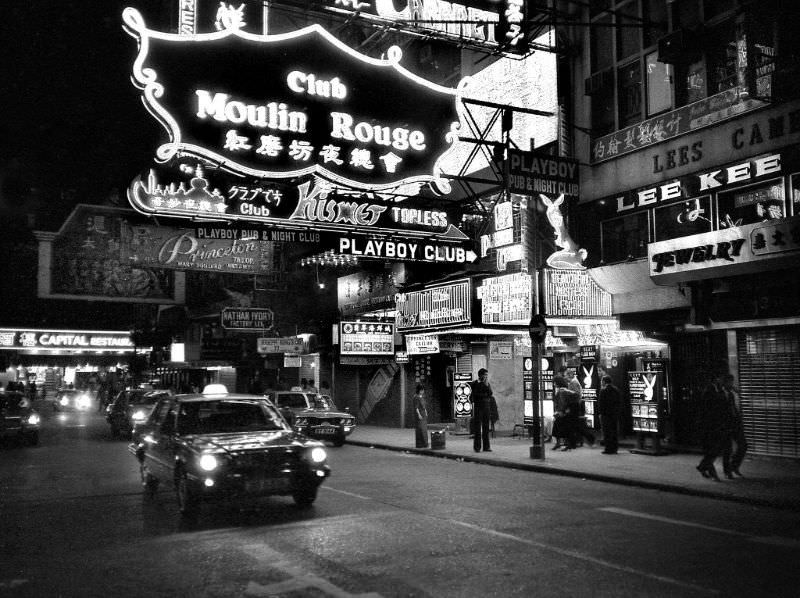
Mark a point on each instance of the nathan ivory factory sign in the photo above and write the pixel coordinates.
(249, 115)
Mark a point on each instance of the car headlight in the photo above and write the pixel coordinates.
(33, 419)
(300, 421)
(318, 455)
(208, 462)
(64, 401)
(84, 401)
(140, 416)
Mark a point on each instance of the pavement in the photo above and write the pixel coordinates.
(771, 482)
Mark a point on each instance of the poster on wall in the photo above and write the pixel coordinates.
(645, 400)
(366, 338)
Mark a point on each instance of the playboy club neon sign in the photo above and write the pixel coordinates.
(279, 107)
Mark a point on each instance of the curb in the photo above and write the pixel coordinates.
(662, 487)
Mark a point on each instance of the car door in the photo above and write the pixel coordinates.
(157, 435)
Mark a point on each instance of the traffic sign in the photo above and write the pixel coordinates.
(537, 329)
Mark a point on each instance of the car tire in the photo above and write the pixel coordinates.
(33, 437)
(188, 498)
(305, 498)
(149, 481)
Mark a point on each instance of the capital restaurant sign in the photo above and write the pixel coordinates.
(272, 108)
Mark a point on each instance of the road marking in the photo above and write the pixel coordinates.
(346, 493)
(299, 578)
(772, 540)
(588, 558)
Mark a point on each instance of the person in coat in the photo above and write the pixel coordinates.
(420, 417)
(713, 419)
(482, 397)
(567, 413)
(609, 408)
(732, 457)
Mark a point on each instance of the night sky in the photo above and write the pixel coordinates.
(72, 123)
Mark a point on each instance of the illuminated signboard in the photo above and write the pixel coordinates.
(233, 250)
(67, 341)
(481, 23)
(287, 106)
(440, 306)
(289, 344)
(417, 344)
(366, 338)
(247, 318)
(536, 172)
(201, 193)
(739, 250)
(574, 293)
(506, 299)
(369, 290)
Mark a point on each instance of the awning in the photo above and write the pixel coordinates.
(632, 289)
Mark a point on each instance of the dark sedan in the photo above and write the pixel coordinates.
(131, 407)
(314, 415)
(220, 446)
(17, 418)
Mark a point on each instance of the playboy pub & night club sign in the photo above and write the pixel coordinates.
(269, 110)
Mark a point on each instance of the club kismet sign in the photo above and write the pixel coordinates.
(281, 107)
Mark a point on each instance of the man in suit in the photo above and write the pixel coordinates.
(482, 410)
(609, 408)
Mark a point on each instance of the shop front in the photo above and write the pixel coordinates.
(44, 360)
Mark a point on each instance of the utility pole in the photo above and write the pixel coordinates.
(537, 331)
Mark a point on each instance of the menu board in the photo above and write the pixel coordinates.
(366, 338)
(645, 392)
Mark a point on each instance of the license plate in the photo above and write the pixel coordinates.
(266, 485)
(326, 430)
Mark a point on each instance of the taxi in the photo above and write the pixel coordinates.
(217, 445)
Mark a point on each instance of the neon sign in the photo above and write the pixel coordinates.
(280, 107)
(213, 195)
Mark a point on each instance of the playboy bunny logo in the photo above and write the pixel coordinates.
(648, 391)
(570, 256)
(587, 376)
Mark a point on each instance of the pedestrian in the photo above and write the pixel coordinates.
(573, 383)
(713, 422)
(732, 458)
(482, 411)
(566, 405)
(609, 408)
(421, 417)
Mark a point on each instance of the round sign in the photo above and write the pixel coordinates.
(527, 364)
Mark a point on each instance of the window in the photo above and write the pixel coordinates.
(749, 205)
(659, 85)
(629, 79)
(624, 238)
(684, 218)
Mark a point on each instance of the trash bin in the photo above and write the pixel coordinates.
(437, 437)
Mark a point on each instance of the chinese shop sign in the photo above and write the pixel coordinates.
(65, 340)
(435, 307)
(366, 338)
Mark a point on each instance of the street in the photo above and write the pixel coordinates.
(75, 522)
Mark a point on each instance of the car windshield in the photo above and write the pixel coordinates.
(10, 400)
(220, 417)
(146, 399)
(323, 402)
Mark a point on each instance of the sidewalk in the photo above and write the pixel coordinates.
(767, 482)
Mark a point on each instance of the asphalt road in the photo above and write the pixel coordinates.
(74, 522)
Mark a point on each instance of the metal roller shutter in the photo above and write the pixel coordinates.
(769, 360)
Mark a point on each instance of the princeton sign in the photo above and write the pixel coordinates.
(282, 107)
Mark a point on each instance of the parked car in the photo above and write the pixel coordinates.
(17, 418)
(217, 445)
(73, 399)
(314, 415)
(131, 407)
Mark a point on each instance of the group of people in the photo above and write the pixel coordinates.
(569, 424)
(723, 432)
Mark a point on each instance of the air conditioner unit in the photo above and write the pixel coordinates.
(598, 82)
(680, 46)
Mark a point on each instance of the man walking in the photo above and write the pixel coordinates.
(481, 410)
(609, 407)
(732, 459)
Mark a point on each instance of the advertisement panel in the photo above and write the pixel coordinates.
(247, 318)
(574, 293)
(421, 345)
(439, 306)
(65, 341)
(366, 338)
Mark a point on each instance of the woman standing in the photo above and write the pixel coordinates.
(421, 417)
